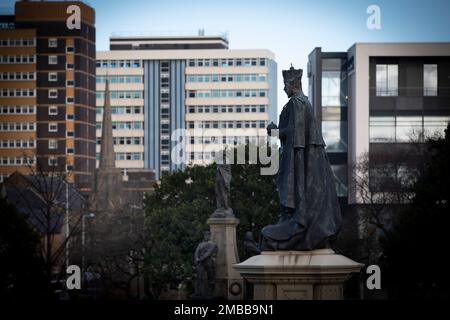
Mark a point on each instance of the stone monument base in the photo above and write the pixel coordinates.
(229, 283)
(298, 275)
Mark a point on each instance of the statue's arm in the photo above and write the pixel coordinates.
(207, 253)
(196, 255)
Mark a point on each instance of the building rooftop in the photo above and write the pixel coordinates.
(130, 41)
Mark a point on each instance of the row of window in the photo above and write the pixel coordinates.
(123, 125)
(120, 94)
(120, 79)
(122, 110)
(246, 62)
(226, 78)
(17, 126)
(228, 140)
(226, 124)
(18, 42)
(17, 109)
(17, 59)
(17, 76)
(406, 128)
(223, 109)
(119, 63)
(226, 93)
(203, 155)
(16, 161)
(125, 156)
(124, 141)
(18, 92)
(387, 80)
(9, 144)
(129, 156)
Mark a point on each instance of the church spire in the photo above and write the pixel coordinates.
(107, 156)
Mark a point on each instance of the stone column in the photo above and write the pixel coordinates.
(229, 283)
(298, 275)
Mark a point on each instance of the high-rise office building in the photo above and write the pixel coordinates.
(161, 84)
(47, 90)
(373, 100)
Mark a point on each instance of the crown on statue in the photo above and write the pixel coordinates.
(292, 74)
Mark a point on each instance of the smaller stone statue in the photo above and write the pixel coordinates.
(205, 261)
(222, 190)
(250, 246)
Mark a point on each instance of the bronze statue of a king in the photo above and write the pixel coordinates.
(310, 215)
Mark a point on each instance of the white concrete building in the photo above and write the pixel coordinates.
(161, 84)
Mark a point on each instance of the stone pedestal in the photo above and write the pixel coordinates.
(229, 283)
(298, 275)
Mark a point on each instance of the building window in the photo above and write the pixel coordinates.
(382, 129)
(335, 135)
(70, 49)
(386, 80)
(435, 125)
(69, 83)
(331, 88)
(340, 178)
(52, 161)
(52, 144)
(53, 110)
(430, 80)
(70, 100)
(53, 76)
(409, 129)
(70, 116)
(70, 151)
(70, 134)
(52, 59)
(52, 43)
(53, 93)
(53, 127)
(69, 66)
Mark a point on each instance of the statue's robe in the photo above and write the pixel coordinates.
(206, 267)
(305, 183)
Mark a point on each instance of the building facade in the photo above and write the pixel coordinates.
(377, 99)
(161, 84)
(47, 81)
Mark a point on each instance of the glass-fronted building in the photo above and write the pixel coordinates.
(327, 73)
(378, 99)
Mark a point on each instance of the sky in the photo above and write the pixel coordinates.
(291, 29)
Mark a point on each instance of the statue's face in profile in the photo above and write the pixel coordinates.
(291, 88)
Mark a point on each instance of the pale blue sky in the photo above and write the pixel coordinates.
(289, 28)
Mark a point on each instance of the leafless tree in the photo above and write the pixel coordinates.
(381, 183)
(116, 245)
(53, 206)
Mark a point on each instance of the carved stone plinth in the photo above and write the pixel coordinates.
(298, 275)
(229, 283)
